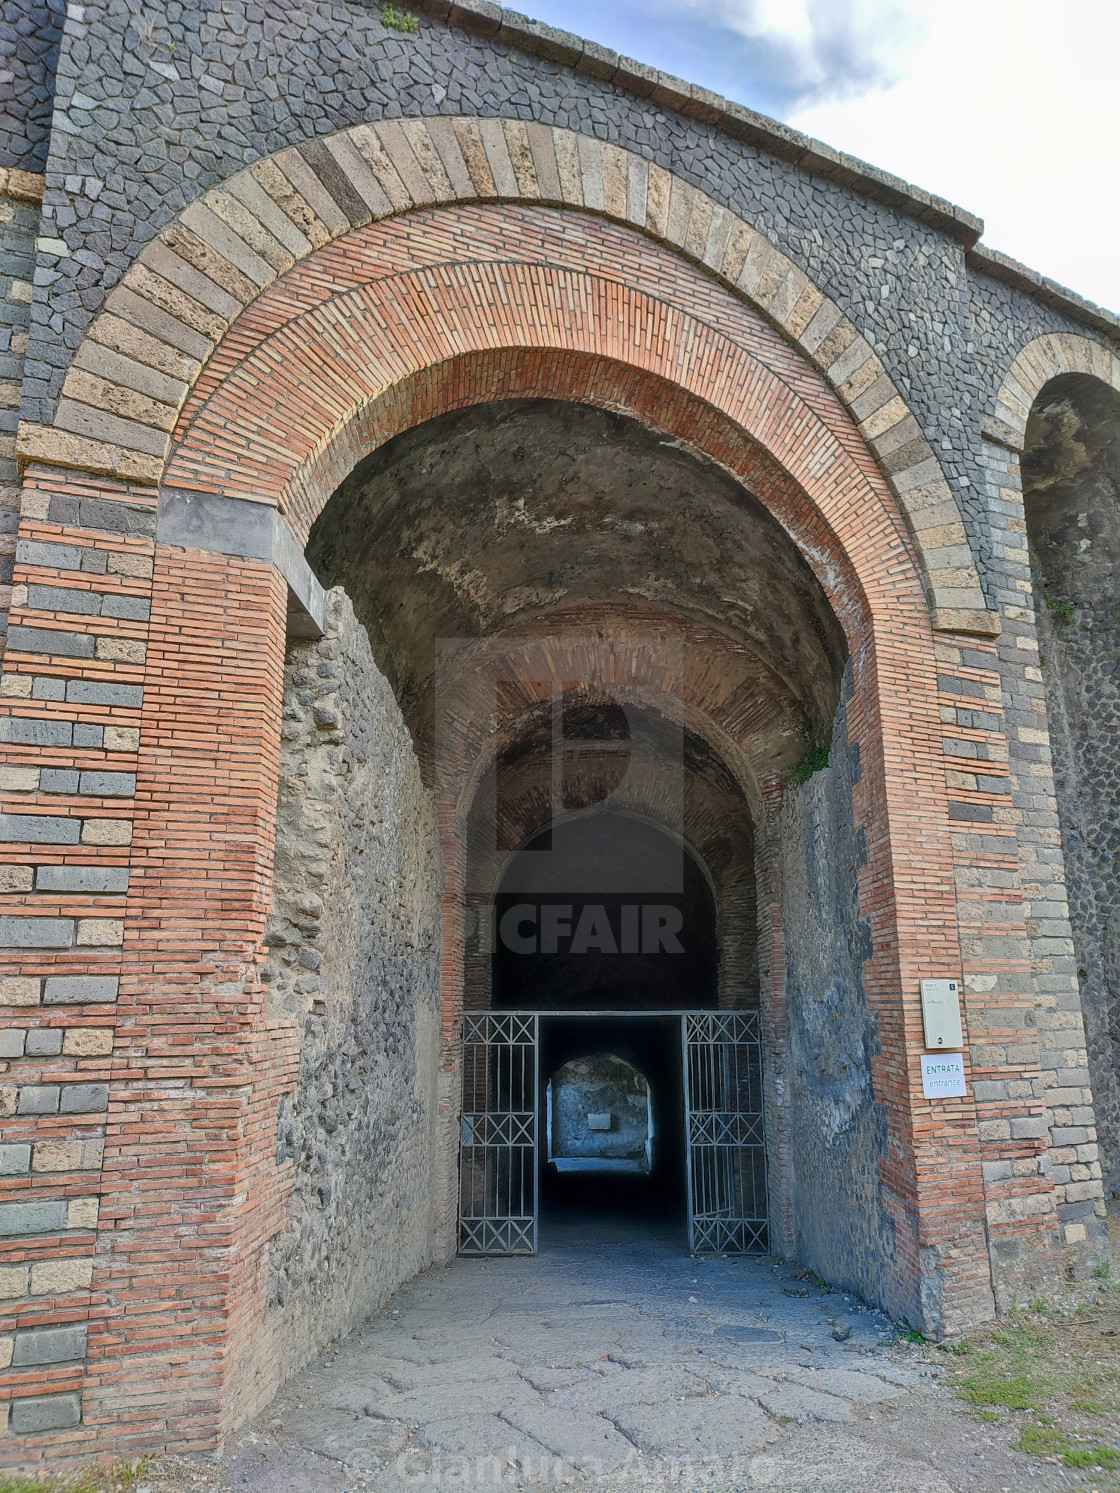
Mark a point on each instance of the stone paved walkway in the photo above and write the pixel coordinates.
(614, 1362)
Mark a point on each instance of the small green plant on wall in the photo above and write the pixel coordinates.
(398, 20)
(813, 761)
(1065, 608)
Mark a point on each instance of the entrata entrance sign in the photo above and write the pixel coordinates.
(943, 1075)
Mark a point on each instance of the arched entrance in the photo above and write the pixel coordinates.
(775, 628)
(633, 644)
(792, 557)
(1071, 495)
(605, 940)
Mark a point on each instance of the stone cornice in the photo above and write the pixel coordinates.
(999, 266)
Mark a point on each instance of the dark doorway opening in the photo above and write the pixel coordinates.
(604, 912)
(612, 1063)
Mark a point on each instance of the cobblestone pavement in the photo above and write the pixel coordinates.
(619, 1362)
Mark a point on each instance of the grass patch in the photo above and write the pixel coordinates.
(1051, 1378)
(1065, 608)
(396, 19)
(116, 1477)
(1045, 1441)
(1012, 1391)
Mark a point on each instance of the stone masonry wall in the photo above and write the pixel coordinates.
(354, 938)
(838, 1131)
(1071, 482)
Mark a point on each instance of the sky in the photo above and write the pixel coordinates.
(1009, 108)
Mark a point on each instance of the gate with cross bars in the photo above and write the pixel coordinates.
(721, 1055)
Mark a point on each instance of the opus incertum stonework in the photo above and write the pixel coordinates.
(544, 608)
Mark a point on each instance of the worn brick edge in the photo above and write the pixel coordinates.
(22, 186)
(147, 346)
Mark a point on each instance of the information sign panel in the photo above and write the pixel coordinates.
(943, 1075)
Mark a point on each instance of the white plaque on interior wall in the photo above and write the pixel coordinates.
(943, 1075)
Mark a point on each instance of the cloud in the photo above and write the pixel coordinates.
(1020, 125)
(773, 55)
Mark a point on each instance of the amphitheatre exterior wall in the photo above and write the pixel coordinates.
(144, 728)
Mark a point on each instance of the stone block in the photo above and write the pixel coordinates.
(120, 650)
(57, 1277)
(130, 608)
(73, 990)
(57, 1156)
(104, 879)
(108, 784)
(99, 933)
(36, 933)
(87, 1042)
(84, 1098)
(20, 990)
(64, 599)
(38, 1099)
(19, 779)
(121, 738)
(49, 556)
(43, 1042)
(58, 780)
(88, 736)
(89, 692)
(41, 1413)
(20, 1219)
(39, 829)
(13, 1282)
(15, 1159)
(107, 832)
(82, 1213)
(11, 1042)
(35, 733)
(43, 640)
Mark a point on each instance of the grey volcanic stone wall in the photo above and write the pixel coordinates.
(1071, 492)
(838, 1130)
(355, 960)
(30, 33)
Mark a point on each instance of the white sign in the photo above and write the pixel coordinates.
(941, 1014)
(943, 1075)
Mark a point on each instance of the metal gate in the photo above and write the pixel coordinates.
(726, 1179)
(726, 1149)
(498, 1152)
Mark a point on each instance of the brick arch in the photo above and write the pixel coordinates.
(1045, 358)
(419, 315)
(189, 287)
(737, 698)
